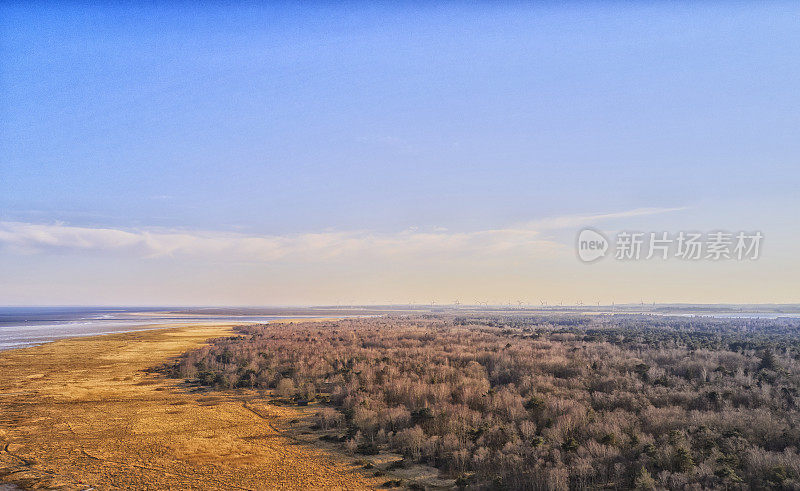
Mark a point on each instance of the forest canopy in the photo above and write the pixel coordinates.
(544, 401)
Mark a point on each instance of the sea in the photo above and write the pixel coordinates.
(21, 327)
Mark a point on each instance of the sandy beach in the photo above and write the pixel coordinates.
(88, 413)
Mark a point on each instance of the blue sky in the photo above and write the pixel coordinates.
(357, 120)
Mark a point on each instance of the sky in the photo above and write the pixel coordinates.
(320, 153)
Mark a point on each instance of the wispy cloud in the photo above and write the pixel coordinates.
(31, 238)
(568, 221)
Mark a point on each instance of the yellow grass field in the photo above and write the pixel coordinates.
(86, 413)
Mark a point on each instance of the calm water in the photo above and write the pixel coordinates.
(28, 326)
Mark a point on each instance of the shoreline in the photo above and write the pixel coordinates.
(22, 336)
(145, 327)
(90, 412)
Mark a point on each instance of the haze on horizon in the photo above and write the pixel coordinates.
(313, 153)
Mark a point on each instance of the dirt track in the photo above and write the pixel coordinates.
(84, 412)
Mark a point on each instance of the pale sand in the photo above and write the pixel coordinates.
(84, 412)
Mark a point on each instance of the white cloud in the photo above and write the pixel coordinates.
(30, 238)
(574, 221)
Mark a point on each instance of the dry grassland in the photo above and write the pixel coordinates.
(85, 412)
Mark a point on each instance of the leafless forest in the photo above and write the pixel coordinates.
(540, 402)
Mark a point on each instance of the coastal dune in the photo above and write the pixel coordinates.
(88, 412)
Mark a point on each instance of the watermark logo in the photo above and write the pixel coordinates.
(687, 246)
(592, 245)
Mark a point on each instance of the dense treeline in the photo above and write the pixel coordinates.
(545, 402)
